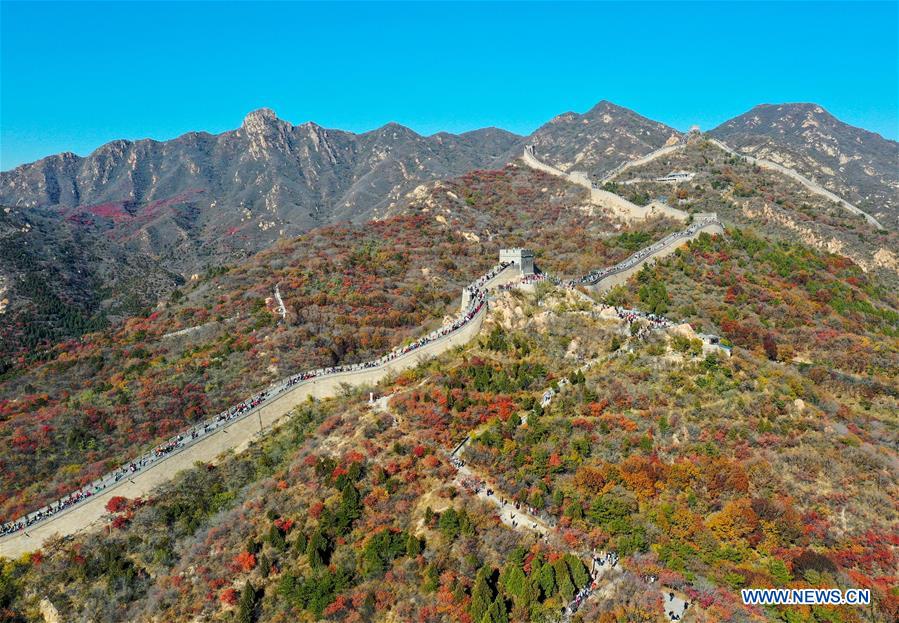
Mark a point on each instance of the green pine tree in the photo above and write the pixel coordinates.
(265, 566)
(497, 612)
(579, 574)
(547, 581)
(276, 538)
(481, 595)
(317, 549)
(563, 580)
(246, 609)
(431, 578)
(413, 546)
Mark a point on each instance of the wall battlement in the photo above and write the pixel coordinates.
(523, 258)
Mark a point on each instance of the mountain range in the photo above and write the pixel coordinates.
(111, 233)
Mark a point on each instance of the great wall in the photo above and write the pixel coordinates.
(603, 280)
(618, 205)
(798, 177)
(206, 441)
(221, 434)
(629, 211)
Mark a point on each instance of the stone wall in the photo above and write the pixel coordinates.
(610, 281)
(662, 151)
(616, 204)
(809, 184)
(238, 434)
(235, 436)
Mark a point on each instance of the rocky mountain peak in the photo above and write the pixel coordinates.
(260, 120)
(605, 106)
(394, 130)
(599, 139)
(853, 163)
(789, 115)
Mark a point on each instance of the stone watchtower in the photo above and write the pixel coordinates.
(523, 258)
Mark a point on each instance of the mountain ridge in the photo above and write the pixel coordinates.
(67, 154)
(202, 201)
(856, 164)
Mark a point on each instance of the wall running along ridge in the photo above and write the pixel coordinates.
(237, 434)
(809, 184)
(618, 205)
(609, 281)
(621, 168)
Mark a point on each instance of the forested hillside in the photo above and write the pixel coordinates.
(704, 472)
(351, 293)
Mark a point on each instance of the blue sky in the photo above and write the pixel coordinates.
(75, 75)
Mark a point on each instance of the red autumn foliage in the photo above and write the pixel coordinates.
(229, 597)
(339, 603)
(245, 561)
(354, 456)
(116, 504)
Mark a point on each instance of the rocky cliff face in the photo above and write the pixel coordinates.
(860, 166)
(201, 199)
(88, 240)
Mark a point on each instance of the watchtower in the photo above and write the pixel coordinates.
(523, 258)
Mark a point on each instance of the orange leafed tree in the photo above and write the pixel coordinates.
(245, 561)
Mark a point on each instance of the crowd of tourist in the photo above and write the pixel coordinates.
(155, 455)
(526, 280)
(599, 561)
(581, 596)
(477, 299)
(671, 603)
(606, 558)
(596, 276)
(648, 322)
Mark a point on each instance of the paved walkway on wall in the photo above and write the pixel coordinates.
(205, 442)
(230, 434)
(664, 248)
(617, 204)
(792, 174)
(809, 184)
(658, 153)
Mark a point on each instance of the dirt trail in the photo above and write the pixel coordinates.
(282, 311)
